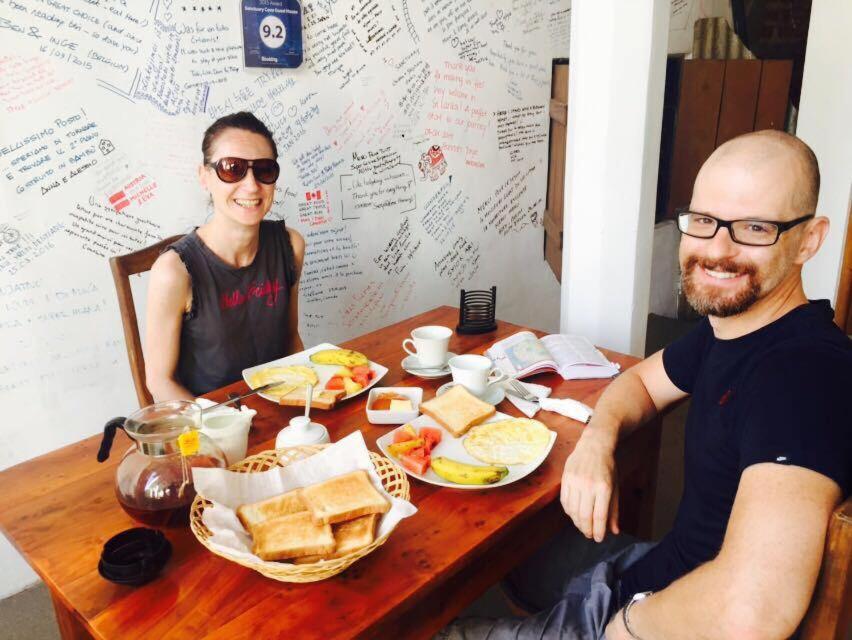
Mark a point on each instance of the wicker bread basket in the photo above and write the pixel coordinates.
(393, 480)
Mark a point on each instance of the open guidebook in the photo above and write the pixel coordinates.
(572, 357)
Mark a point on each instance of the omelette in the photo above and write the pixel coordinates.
(292, 377)
(514, 441)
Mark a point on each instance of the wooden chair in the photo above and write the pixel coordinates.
(828, 617)
(122, 268)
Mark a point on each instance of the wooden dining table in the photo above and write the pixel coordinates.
(60, 508)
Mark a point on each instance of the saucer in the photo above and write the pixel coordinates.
(411, 364)
(493, 394)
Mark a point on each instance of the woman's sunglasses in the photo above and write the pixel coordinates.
(232, 170)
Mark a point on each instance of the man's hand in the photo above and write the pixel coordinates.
(589, 491)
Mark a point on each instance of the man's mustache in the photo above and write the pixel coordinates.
(725, 265)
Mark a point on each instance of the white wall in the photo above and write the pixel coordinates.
(825, 123)
(615, 98)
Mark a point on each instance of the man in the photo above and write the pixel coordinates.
(767, 453)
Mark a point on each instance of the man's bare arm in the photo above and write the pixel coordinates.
(760, 584)
(589, 491)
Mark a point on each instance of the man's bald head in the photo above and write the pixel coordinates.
(786, 158)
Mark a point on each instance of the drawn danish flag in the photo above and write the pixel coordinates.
(313, 195)
(119, 200)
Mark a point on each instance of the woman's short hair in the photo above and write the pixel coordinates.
(244, 120)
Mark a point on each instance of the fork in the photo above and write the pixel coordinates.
(564, 406)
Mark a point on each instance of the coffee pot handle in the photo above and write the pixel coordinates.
(109, 435)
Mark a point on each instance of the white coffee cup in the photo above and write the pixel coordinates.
(475, 373)
(430, 345)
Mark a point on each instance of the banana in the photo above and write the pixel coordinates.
(345, 357)
(462, 473)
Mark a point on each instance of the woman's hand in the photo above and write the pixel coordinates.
(589, 491)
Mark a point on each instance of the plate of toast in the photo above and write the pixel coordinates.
(333, 374)
(462, 442)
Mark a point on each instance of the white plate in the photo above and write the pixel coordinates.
(324, 371)
(411, 363)
(493, 394)
(453, 448)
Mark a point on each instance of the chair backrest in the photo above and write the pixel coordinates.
(828, 617)
(122, 268)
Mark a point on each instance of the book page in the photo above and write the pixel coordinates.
(519, 353)
(570, 350)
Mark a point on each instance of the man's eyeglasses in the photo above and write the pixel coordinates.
(754, 233)
(232, 170)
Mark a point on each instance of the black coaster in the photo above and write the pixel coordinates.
(135, 556)
(477, 311)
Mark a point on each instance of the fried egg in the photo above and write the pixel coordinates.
(515, 441)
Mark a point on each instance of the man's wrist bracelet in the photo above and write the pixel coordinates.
(625, 612)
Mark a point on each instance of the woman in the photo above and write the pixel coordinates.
(225, 296)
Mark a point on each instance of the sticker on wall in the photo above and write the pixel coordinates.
(272, 33)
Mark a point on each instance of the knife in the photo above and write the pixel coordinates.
(260, 389)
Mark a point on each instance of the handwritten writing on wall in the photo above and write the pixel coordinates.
(398, 252)
(102, 231)
(559, 30)
(506, 210)
(330, 49)
(456, 111)
(375, 161)
(451, 18)
(28, 80)
(211, 53)
(520, 63)
(270, 86)
(52, 325)
(390, 192)
(157, 82)
(316, 165)
(528, 15)
(291, 121)
(469, 49)
(100, 37)
(374, 24)
(460, 263)
(374, 302)
(411, 83)
(520, 127)
(51, 156)
(331, 263)
(369, 122)
(441, 211)
(18, 250)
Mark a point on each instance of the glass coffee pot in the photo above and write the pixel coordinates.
(153, 481)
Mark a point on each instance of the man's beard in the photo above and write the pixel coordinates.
(704, 302)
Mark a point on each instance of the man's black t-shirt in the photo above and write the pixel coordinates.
(780, 394)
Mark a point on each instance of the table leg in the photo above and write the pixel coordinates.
(70, 627)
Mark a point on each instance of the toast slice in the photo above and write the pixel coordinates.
(349, 536)
(321, 399)
(457, 410)
(344, 498)
(253, 514)
(292, 536)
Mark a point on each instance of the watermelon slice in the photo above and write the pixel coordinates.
(417, 460)
(432, 436)
(335, 383)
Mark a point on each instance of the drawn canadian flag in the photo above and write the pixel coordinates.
(313, 195)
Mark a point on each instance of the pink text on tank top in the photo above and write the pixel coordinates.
(268, 289)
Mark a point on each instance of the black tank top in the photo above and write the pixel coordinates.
(239, 316)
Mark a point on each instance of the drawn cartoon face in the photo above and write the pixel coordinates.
(106, 146)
